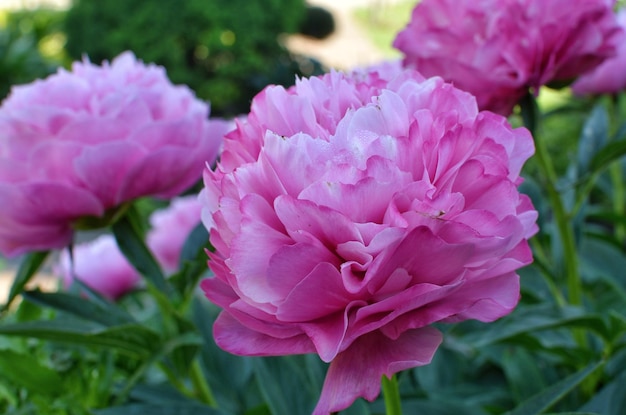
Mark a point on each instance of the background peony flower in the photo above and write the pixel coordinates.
(170, 229)
(352, 213)
(610, 76)
(498, 49)
(101, 266)
(79, 144)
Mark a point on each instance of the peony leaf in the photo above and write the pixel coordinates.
(24, 370)
(611, 399)
(446, 406)
(133, 339)
(523, 376)
(548, 397)
(229, 376)
(132, 245)
(109, 315)
(195, 244)
(187, 408)
(275, 375)
(594, 137)
(609, 153)
(192, 261)
(28, 268)
(533, 319)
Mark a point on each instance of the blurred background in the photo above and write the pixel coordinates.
(225, 50)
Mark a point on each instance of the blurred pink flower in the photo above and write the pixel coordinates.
(170, 229)
(610, 76)
(80, 144)
(101, 266)
(498, 49)
(352, 213)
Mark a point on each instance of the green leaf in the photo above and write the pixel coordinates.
(522, 373)
(195, 244)
(594, 136)
(193, 262)
(276, 375)
(610, 400)
(609, 153)
(431, 407)
(230, 377)
(187, 408)
(131, 243)
(24, 370)
(28, 268)
(532, 319)
(548, 397)
(132, 339)
(574, 413)
(162, 393)
(109, 315)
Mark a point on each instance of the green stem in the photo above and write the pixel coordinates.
(563, 221)
(391, 393)
(200, 385)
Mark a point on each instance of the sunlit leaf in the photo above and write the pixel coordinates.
(110, 315)
(28, 268)
(133, 339)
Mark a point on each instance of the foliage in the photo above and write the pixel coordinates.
(20, 61)
(225, 50)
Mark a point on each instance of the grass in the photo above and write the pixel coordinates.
(382, 22)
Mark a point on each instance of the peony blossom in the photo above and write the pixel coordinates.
(170, 229)
(498, 49)
(610, 76)
(351, 212)
(101, 266)
(78, 145)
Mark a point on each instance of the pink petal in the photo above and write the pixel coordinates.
(235, 338)
(357, 371)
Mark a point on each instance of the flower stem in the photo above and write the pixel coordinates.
(391, 394)
(561, 218)
(201, 387)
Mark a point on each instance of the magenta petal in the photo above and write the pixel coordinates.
(357, 371)
(291, 264)
(103, 168)
(323, 282)
(236, 338)
(302, 218)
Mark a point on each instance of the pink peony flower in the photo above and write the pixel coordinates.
(80, 144)
(352, 212)
(498, 49)
(101, 266)
(610, 76)
(170, 229)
